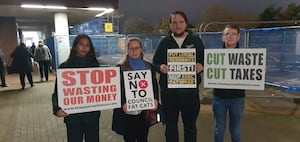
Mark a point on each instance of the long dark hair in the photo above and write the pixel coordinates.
(181, 13)
(91, 55)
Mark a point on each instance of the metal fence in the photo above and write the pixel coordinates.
(282, 44)
(283, 52)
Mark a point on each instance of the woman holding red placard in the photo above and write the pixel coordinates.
(82, 125)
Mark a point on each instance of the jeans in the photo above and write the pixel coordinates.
(235, 107)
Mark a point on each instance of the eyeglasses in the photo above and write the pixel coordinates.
(230, 34)
(134, 48)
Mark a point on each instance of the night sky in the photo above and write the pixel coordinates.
(154, 10)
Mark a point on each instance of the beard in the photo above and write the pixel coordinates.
(179, 34)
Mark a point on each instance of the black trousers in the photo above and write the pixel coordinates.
(84, 128)
(2, 73)
(22, 78)
(136, 128)
(189, 106)
(2, 76)
(44, 69)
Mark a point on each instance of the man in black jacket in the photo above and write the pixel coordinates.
(183, 99)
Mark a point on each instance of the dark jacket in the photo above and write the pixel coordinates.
(118, 124)
(160, 57)
(22, 60)
(229, 93)
(77, 63)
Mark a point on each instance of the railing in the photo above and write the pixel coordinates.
(283, 50)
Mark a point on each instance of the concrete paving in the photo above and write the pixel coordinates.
(26, 116)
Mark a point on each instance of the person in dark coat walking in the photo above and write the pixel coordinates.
(23, 65)
(32, 48)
